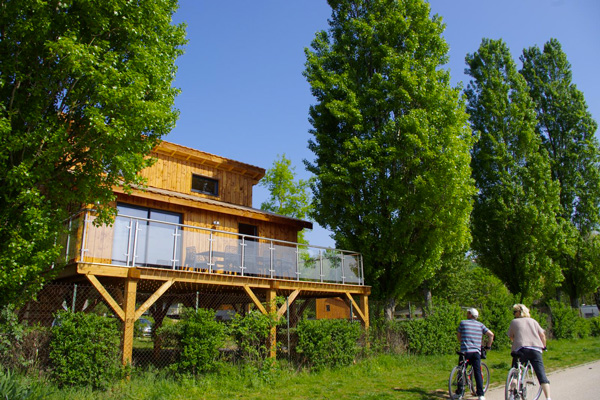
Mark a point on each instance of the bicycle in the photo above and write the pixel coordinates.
(521, 382)
(462, 377)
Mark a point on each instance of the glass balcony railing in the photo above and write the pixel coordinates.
(146, 243)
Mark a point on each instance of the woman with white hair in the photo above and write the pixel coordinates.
(529, 340)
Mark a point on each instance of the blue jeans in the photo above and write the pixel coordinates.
(535, 358)
(474, 358)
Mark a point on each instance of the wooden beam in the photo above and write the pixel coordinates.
(129, 320)
(272, 306)
(159, 274)
(255, 299)
(290, 300)
(364, 304)
(356, 307)
(106, 296)
(152, 299)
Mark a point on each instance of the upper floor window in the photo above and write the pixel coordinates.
(202, 184)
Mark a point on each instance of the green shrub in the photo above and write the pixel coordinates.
(496, 314)
(84, 350)
(11, 335)
(251, 334)
(21, 348)
(435, 334)
(566, 322)
(386, 337)
(200, 337)
(595, 326)
(328, 343)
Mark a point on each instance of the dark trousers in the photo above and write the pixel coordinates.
(535, 358)
(474, 358)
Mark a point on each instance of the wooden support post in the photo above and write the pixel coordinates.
(129, 311)
(364, 305)
(272, 308)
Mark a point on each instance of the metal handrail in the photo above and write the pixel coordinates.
(322, 262)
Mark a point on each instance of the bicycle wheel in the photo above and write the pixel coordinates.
(485, 375)
(456, 386)
(531, 388)
(510, 390)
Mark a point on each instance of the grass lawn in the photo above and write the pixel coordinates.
(382, 377)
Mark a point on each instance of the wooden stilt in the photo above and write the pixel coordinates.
(272, 308)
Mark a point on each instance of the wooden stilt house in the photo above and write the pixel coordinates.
(192, 229)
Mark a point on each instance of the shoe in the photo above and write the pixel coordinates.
(481, 397)
(456, 397)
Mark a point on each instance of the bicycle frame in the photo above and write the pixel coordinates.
(516, 386)
(462, 378)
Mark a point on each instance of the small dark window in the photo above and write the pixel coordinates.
(247, 229)
(328, 307)
(202, 184)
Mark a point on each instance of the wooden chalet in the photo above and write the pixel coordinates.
(192, 229)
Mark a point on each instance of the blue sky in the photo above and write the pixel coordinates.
(243, 95)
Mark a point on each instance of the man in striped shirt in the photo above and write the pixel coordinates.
(470, 334)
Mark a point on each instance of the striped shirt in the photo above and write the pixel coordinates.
(471, 332)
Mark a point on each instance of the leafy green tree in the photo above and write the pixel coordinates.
(514, 225)
(85, 94)
(287, 196)
(390, 140)
(568, 134)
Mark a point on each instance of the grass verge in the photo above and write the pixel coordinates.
(381, 377)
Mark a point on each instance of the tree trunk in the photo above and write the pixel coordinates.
(428, 300)
(390, 308)
(575, 303)
(597, 297)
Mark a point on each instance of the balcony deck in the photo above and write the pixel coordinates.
(169, 258)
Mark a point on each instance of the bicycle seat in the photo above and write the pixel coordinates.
(460, 353)
(516, 354)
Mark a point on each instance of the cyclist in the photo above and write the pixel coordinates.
(529, 339)
(470, 334)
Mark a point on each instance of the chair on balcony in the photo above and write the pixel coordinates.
(193, 260)
(230, 262)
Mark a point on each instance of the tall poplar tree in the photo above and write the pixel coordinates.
(514, 225)
(568, 132)
(85, 94)
(390, 141)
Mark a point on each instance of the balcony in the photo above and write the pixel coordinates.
(157, 244)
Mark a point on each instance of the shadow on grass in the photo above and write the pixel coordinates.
(424, 394)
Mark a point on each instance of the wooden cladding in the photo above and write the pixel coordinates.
(177, 164)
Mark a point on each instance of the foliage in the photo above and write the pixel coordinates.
(435, 334)
(390, 141)
(22, 348)
(467, 283)
(12, 388)
(251, 334)
(386, 336)
(84, 350)
(568, 134)
(496, 314)
(595, 326)
(514, 225)
(11, 333)
(566, 322)
(369, 378)
(287, 197)
(86, 93)
(328, 343)
(201, 337)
